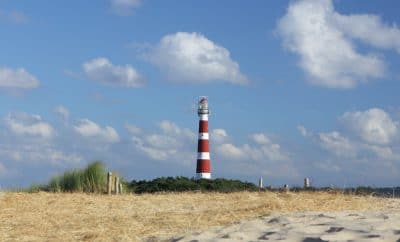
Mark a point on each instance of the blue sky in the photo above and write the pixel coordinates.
(296, 89)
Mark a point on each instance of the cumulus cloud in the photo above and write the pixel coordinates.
(383, 152)
(219, 136)
(88, 128)
(133, 129)
(374, 125)
(103, 71)
(231, 151)
(370, 29)
(124, 7)
(263, 150)
(47, 153)
(171, 128)
(324, 40)
(62, 111)
(153, 151)
(337, 144)
(260, 138)
(171, 143)
(17, 78)
(328, 166)
(23, 124)
(303, 131)
(368, 136)
(192, 58)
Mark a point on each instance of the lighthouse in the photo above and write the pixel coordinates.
(203, 169)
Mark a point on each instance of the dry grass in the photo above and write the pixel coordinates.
(48, 216)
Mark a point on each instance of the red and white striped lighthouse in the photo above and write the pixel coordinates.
(203, 169)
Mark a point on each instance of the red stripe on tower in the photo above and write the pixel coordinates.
(203, 168)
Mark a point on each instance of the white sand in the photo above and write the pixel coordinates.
(381, 225)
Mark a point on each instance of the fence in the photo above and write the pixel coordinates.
(114, 186)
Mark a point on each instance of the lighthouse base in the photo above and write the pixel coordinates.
(203, 175)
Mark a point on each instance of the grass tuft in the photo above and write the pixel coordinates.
(90, 179)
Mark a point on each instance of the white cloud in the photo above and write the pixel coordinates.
(103, 71)
(219, 136)
(31, 125)
(18, 78)
(192, 58)
(171, 128)
(337, 144)
(133, 129)
(124, 7)
(172, 143)
(154, 152)
(43, 153)
(263, 150)
(322, 38)
(370, 29)
(328, 166)
(88, 128)
(163, 141)
(260, 138)
(62, 111)
(231, 151)
(370, 138)
(383, 152)
(373, 125)
(303, 131)
(273, 152)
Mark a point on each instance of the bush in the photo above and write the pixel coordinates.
(182, 184)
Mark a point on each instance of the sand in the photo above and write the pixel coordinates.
(246, 216)
(307, 227)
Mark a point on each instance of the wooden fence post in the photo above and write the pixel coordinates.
(260, 183)
(120, 188)
(116, 185)
(306, 183)
(109, 183)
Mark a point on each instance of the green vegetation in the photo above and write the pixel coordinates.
(91, 179)
(182, 184)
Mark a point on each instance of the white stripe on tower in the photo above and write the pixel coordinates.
(203, 136)
(204, 117)
(203, 155)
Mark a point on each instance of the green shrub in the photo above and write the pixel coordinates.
(182, 184)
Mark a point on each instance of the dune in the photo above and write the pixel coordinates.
(307, 227)
(246, 216)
